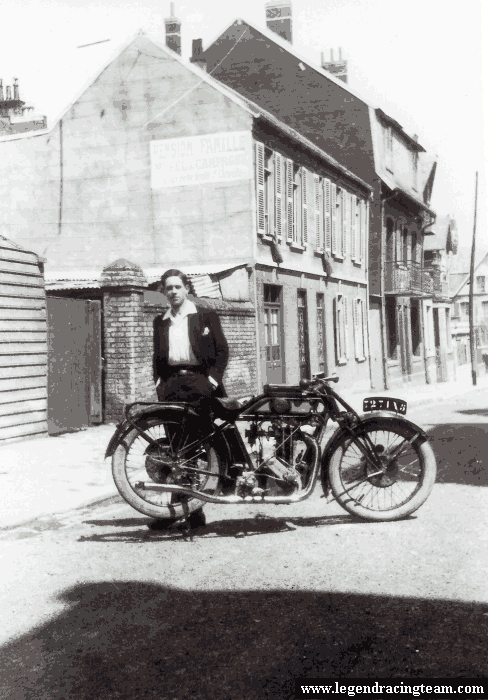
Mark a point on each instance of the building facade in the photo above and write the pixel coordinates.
(460, 316)
(264, 67)
(167, 167)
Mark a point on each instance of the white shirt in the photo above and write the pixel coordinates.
(179, 351)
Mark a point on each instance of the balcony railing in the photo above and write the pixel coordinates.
(407, 278)
(441, 285)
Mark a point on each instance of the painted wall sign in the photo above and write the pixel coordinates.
(204, 159)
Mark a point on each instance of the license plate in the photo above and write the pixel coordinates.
(385, 403)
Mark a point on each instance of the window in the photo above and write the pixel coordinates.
(406, 247)
(268, 193)
(415, 326)
(484, 309)
(321, 332)
(303, 350)
(480, 284)
(391, 331)
(271, 323)
(360, 330)
(341, 329)
(338, 223)
(464, 309)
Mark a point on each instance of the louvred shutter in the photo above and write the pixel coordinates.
(261, 228)
(278, 195)
(289, 200)
(319, 244)
(327, 215)
(304, 181)
(346, 327)
(354, 228)
(333, 217)
(344, 208)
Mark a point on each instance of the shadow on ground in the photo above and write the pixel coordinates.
(461, 451)
(237, 527)
(132, 639)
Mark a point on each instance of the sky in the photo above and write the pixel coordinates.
(424, 62)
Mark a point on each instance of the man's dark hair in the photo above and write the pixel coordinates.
(175, 273)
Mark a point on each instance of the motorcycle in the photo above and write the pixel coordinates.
(170, 458)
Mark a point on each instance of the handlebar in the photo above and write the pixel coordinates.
(318, 378)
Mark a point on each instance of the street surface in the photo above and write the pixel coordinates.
(97, 605)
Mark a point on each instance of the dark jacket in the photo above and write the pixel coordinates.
(209, 346)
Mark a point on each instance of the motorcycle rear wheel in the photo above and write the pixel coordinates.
(396, 491)
(132, 464)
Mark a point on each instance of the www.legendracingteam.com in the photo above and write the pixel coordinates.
(306, 687)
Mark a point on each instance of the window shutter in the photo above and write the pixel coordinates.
(344, 198)
(346, 327)
(278, 195)
(260, 188)
(337, 328)
(357, 340)
(304, 182)
(319, 242)
(327, 215)
(362, 230)
(289, 200)
(364, 322)
(333, 217)
(456, 309)
(354, 228)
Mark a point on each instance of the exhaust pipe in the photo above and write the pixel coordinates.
(239, 500)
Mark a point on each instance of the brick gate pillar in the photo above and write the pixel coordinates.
(127, 338)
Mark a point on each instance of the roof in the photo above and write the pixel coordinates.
(250, 107)
(272, 36)
(444, 236)
(90, 278)
(465, 278)
(314, 97)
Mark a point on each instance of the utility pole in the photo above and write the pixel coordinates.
(472, 344)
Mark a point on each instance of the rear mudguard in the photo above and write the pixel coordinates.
(139, 418)
(366, 419)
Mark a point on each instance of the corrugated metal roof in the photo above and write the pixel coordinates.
(90, 278)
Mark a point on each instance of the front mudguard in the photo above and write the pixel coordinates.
(139, 417)
(366, 419)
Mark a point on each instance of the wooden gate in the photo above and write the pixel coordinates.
(74, 364)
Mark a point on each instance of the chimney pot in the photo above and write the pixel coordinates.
(9, 92)
(172, 9)
(196, 47)
(278, 18)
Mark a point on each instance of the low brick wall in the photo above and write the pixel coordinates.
(128, 339)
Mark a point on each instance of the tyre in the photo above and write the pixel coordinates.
(399, 485)
(135, 461)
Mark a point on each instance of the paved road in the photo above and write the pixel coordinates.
(96, 605)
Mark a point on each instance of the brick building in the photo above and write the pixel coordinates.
(263, 66)
(161, 165)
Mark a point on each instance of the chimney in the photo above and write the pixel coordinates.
(197, 56)
(338, 67)
(1, 91)
(278, 18)
(9, 92)
(16, 89)
(172, 27)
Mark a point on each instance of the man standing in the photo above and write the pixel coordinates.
(190, 349)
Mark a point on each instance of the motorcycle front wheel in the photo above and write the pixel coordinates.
(136, 462)
(389, 485)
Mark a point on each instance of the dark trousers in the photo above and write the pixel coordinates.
(192, 386)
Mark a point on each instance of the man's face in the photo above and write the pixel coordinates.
(175, 291)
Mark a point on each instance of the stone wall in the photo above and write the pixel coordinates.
(128, 339)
